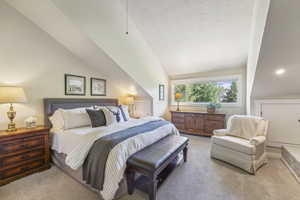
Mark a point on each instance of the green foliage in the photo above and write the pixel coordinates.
(208, 92)
(183, 90)
(204, 92)
(214, 105)
(231, 94)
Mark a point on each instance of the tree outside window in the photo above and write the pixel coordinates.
(213, 91)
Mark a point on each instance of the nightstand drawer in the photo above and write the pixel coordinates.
(21, 157)
(21, 169)
(21, 144)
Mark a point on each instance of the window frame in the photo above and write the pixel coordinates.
(237, 78)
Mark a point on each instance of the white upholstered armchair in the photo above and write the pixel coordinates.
(243, 142)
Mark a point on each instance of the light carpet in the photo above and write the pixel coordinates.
(201, 178)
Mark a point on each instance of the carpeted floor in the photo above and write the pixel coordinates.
(201, 178)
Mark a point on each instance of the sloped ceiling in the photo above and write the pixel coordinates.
(280, 49)
(94, 29)
(195, 35)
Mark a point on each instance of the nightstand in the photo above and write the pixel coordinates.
(23, 152)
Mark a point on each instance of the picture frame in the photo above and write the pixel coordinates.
(75, 85)
(161, 92)
(98, 87)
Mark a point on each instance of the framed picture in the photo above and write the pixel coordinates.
(74, 85)
(161, 92)
(98, 87)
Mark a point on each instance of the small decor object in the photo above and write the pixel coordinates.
(12, 95)
(211, 107)
(161, 92)
(30, 122)
(98, 87)
(178, 96)
(74, 85)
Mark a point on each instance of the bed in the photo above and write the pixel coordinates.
(78, 152)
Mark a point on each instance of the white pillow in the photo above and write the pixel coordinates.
(75, 118)
(57, 120)
(126, 112)
(116, 109)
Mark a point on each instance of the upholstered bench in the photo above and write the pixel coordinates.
(151, 161)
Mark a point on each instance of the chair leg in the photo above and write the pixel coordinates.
(130, 176)
(152, 189)
(185, 151)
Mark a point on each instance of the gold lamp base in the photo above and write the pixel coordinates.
(11, 114)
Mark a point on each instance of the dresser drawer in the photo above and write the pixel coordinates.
(178, 120)
(21, 144)
(178, 115)
(21, 169)
(21, 157)
(210, 126)
(215, 117)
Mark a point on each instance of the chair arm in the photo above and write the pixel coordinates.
(257, 140)
(220, 132)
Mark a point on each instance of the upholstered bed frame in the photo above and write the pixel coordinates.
(50, 105)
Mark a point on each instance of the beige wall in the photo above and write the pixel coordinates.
(229, 110)
(29, 57)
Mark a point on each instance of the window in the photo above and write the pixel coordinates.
(225, 90)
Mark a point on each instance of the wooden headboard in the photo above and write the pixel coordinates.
(50, 105)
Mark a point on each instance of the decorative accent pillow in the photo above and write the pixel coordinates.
(115, 110)
(109, 116)
(124, 112)
(97, 117)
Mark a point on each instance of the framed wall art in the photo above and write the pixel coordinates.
(75, 85)
(98, 87)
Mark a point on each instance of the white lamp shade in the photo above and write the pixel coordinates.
(12, 95)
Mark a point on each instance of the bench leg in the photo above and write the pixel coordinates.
(185, 151)
(152, 189)
(130, 176)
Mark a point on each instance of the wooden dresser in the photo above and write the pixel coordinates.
(23, 152)
(198, 123)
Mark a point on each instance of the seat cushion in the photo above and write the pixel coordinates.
(234, 143)
(155, 155)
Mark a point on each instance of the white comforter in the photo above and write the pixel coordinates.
(76, 144)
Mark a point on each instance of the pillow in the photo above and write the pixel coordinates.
(115, 110)
(57, 120)
(124, 112)
(97, 117)
(75, 118)
(109, 116)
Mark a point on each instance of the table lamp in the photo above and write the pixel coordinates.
(130, 102)
(12, 95)
(178, 96)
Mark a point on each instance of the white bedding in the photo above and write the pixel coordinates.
(76, 143)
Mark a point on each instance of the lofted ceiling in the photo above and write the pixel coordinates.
(191, 36)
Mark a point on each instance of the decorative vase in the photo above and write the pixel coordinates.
(211, 110)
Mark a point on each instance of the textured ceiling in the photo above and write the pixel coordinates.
(195, 35)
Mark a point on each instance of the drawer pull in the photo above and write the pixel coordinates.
(26, 157)
(24, 169)
(25, 145)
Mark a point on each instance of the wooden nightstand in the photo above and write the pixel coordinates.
(23, 152)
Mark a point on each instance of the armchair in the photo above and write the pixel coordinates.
(243, 142)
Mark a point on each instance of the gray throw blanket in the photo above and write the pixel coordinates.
(95, 163)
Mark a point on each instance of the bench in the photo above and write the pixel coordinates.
(151, 161)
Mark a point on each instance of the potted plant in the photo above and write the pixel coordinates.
(211, 107)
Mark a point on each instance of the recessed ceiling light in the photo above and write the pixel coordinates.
(280, 71)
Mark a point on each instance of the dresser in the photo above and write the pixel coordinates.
(23, 152)
(198, 123)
